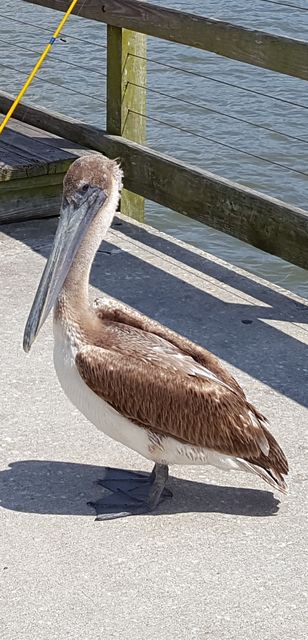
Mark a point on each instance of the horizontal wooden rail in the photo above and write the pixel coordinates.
(258, 48)
(266, 223)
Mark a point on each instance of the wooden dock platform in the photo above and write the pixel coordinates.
(33, 163)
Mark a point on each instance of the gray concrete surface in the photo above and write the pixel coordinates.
(226, 558)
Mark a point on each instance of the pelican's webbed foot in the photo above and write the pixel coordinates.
(133, 493)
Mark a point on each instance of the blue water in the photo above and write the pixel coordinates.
(189, 103)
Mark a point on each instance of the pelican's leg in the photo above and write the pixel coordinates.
(157, 480)
(132, 493)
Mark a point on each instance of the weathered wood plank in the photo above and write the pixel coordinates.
(126, 101)
(9, 159)
(32, 166)
(13, 164)
(258, 48)
(45, 137)
(26, 152)
(265, 222)
(26, 168)
(20, 142)
(124, 73)
(25, 204)
(20, 184)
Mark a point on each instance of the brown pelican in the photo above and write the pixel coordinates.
(140, 383)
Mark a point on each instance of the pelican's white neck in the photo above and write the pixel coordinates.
(76, 285)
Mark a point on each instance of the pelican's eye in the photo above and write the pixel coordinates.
(85, 187)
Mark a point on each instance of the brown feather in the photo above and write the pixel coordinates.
(142, 370)
(111, 309)
(93, 169)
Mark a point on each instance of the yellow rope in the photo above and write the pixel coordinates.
(37, 66)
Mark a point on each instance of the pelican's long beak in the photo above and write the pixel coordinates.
(75, 218)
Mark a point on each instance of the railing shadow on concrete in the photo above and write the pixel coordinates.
(195, 313)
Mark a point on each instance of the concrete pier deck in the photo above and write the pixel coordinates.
(225, 559)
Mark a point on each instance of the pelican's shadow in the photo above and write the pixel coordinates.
(64, 488)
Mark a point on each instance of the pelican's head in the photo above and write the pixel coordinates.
(89, 175)
(90, 183)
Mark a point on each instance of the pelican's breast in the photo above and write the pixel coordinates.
(95, 409)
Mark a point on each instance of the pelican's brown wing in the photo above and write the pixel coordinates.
(192, 409)
(111, 309)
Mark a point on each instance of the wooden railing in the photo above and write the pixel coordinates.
(260, 220)
(266, 50)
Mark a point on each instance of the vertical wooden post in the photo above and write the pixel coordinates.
(126, 98)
